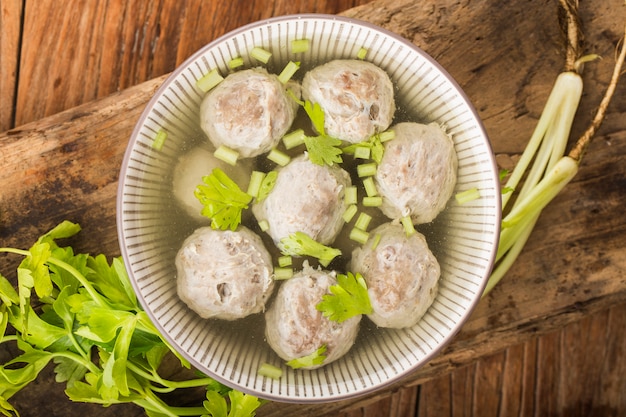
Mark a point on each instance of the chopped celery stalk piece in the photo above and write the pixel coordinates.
(363, 221)
(359, 235)
(281, 273)
(375, 201)
(351, 195)
(293, 139)
(278, 157)
(235, 63)
(349, 213)
(267, 185)
(362, 152)
(256, 179)
(386, 136)
(287, 72)
(260, 54)
(370, 187)
(270, 371)
(227, 155)
(284, 261)
(362, 53)
(299, 45)
(366, 170)
(264, 225)
(210, 80)
(407, 223)
(159, 140)
(468, 195)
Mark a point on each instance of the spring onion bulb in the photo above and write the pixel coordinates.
(545, 169)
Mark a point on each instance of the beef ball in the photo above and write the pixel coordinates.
(306, 198)
(417, 174)
(295, 328)
(401, 274)
(357, 98)
(224, 274)
(249, 111)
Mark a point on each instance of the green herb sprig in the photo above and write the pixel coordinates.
(104, 346)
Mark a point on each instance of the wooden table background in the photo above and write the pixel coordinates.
(548, 341)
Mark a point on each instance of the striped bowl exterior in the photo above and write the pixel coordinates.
(465, 246)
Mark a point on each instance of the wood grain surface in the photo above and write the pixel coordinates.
(548, 341)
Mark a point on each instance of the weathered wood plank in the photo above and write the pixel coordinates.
(66, 166)
(76, 52)
(10, 28)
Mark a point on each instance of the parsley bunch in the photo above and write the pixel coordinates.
(91, 327)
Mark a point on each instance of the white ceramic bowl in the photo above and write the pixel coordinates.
(464, 237)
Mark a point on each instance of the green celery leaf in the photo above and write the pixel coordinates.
(323, 150)
(38, 332)
(67, 370)
(301, 244)
(8, 295)
(242, 405)
(63, 230)
(222, 199)
(316, 114)
(110, 280)
(14, 379)
(36, 263)
(349, 298)
(215, 404)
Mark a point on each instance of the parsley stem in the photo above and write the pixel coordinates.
(81, 278)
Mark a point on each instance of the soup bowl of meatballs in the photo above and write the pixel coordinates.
(309, 208)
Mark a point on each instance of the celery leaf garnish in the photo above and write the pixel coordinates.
(301, 244)
(315, 358)
(323, 150)
(222, 199)
(348, 298)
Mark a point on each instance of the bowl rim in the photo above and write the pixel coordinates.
(493, 245)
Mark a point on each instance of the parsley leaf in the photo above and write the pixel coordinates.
(314, 359)
(348, 298)
(103, 345)
(222, 199)
(323, 150)
(316, 114)
(301, 244)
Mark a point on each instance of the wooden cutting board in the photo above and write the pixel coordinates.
(505, 54)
